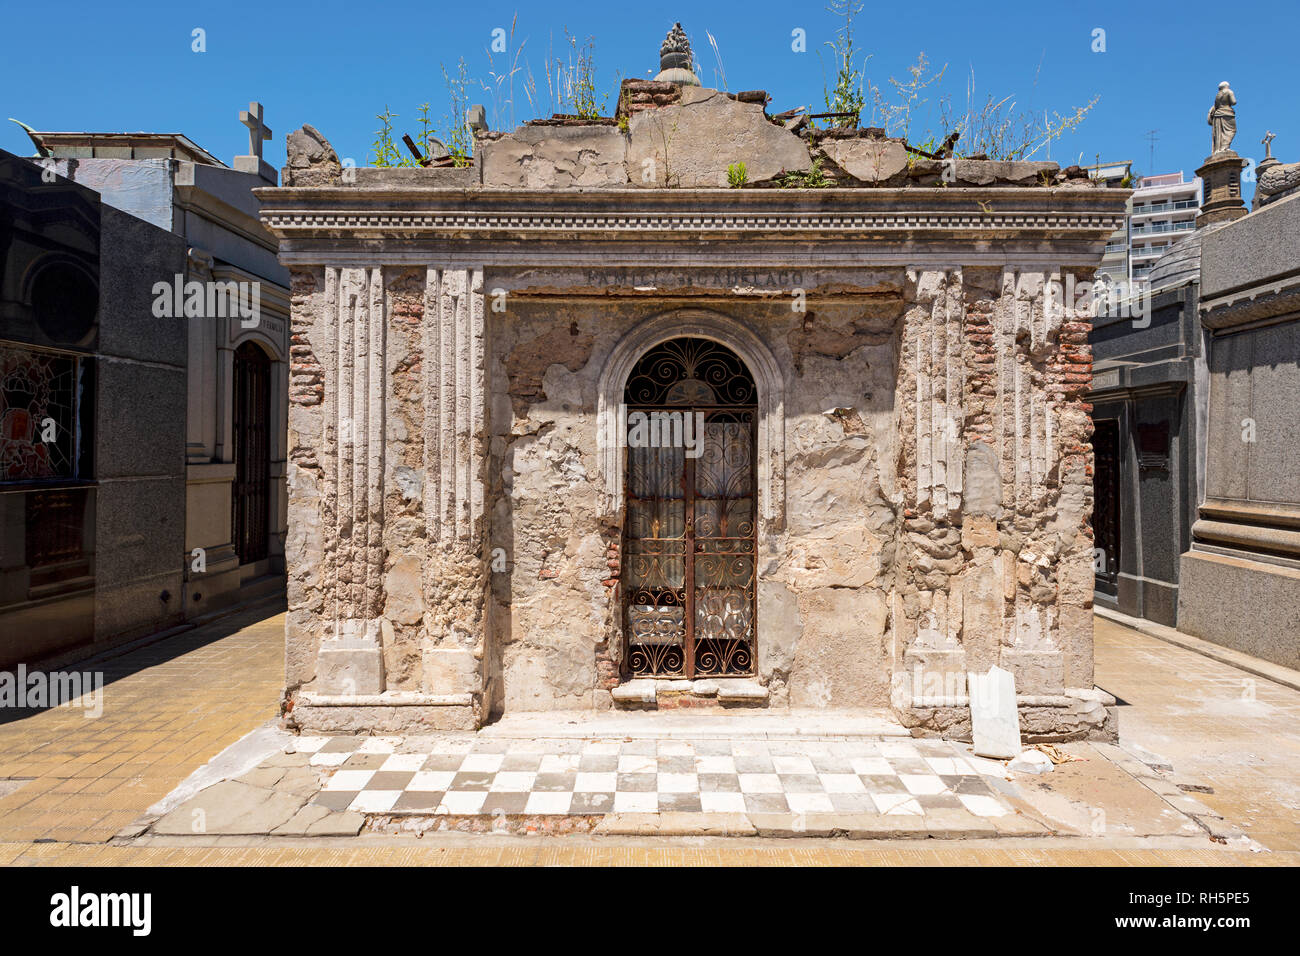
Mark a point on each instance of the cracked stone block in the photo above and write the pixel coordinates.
(231, 808)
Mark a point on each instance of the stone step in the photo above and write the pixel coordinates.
(652, 694)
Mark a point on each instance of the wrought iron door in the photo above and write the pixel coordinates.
(689, 535)
(252, 439)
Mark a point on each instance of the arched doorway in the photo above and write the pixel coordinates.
(689, 541)
(250, 507)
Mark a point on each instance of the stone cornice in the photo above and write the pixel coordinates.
(1274, 301)
(1086, 216)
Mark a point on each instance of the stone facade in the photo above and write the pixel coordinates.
(1240, 580)
(923, 468)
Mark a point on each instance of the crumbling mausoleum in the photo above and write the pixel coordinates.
(591, 424)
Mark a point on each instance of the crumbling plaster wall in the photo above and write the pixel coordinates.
(937, 493)
(823, 577)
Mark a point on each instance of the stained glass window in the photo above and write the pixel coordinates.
(38, 415)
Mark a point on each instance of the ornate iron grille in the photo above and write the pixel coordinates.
(252, 439)
(690, 533)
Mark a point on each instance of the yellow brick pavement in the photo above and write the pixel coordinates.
(168, 708)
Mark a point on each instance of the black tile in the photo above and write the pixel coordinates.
(719, 783)
(555, 782)
(594, 803)
(389, 780)
(416, 800)
(335, 799)
(637, 782)
(679, 802)
(472, 781)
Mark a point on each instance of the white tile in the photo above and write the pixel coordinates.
(749, 748)
(559, 763)
(348, 780)
(876, 766)
(897, 748)
(722, 802)
(513, 781)
(678, 783)
(379, 745)
(601, 747)
(993, 768)
(328, 759)
(676, 748)
(760, 783)
(810, 803)
(482, 763)
(715, 764)
(789, 764)
(308, 745)
(842, 783)
(403, 762)
(459, 802)
(922, 783)
(548, 803)
(946, 765)
(431, 780)
(634, 763)
(981, 805)
(637, 802)
(891, 803)
(374, 801)
(595, 782)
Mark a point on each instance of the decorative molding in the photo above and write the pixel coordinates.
(339, 213)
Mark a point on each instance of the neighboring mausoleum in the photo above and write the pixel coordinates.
(603, 420)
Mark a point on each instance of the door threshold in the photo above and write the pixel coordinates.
(652, 693)
(764, 723)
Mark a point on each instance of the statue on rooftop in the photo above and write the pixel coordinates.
(1223, 120)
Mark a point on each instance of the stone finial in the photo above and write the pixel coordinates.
(1267, 143)
(675, 51)
(476, 118)
(312, 160)
(675, 59)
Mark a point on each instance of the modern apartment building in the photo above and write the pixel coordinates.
(1162, 210)
(1114, 265)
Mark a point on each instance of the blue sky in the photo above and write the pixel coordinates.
(129, 67)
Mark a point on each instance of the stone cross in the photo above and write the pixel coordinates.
(257, 130)
(1268, 144)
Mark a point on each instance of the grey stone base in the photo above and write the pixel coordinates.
(387, 713)
(1078, 714)
(1249, 606)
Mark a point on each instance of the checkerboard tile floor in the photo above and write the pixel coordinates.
(571, 776)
